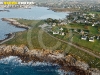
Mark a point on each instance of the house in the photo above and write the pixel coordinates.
(84, 37)
(61, 29)
(55, 30)
(98, 37)
(93, 15)
(82, 32)
(91, 39)
(75, 30)
(54, 24)
(62, 33)
(93, 24)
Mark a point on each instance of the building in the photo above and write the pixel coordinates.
(84, 37)
(91, 39)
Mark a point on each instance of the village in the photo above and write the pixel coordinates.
(85, 25)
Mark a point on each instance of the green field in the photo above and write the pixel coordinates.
(21, 39)
(93, 30)
(94, 12)
(93, 46)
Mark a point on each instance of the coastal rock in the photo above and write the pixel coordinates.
(67, 63)
(70, 59)
(94, 71)
(82, 65)
(15, 23)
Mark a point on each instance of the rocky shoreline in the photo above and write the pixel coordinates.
(9, 36)
(67, 63)
(15, 23)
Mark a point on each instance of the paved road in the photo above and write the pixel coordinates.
(80, 48)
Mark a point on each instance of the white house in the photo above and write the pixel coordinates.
(61, 29)
(55, 32)
(62, 33)
(93, 24)
(98, 37)
(91, 39)
(84, 37)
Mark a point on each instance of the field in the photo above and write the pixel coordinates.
(33, 41)
(94, 46)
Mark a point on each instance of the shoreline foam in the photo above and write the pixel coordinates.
(67, 63)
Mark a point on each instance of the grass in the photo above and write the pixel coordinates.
(94, 12)
(21, 39)
(93, 30)
(76, 26)
(94, 46)
(29, 22)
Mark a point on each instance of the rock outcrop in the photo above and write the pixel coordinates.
(15, 23)
(67, 63)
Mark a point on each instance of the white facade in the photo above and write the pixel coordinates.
(84, 37)
(55, 32)
(91, 39)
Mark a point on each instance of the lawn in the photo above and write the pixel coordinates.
(94, 46)
(93, 30)
(29, 22)
(94, 12)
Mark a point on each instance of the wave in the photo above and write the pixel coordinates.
(15, 60)
(46, 67)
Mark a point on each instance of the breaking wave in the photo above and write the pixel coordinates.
(13, 65)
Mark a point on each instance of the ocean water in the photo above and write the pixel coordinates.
(34, 13)
(13, 65)
(6, 28)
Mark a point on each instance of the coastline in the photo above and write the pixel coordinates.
(67, 63)
(63, 10)
(15, 23)
(9, 37)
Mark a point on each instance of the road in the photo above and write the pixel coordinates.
(80, 48)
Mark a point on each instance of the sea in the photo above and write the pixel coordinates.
(13, 65)
(35, 12)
